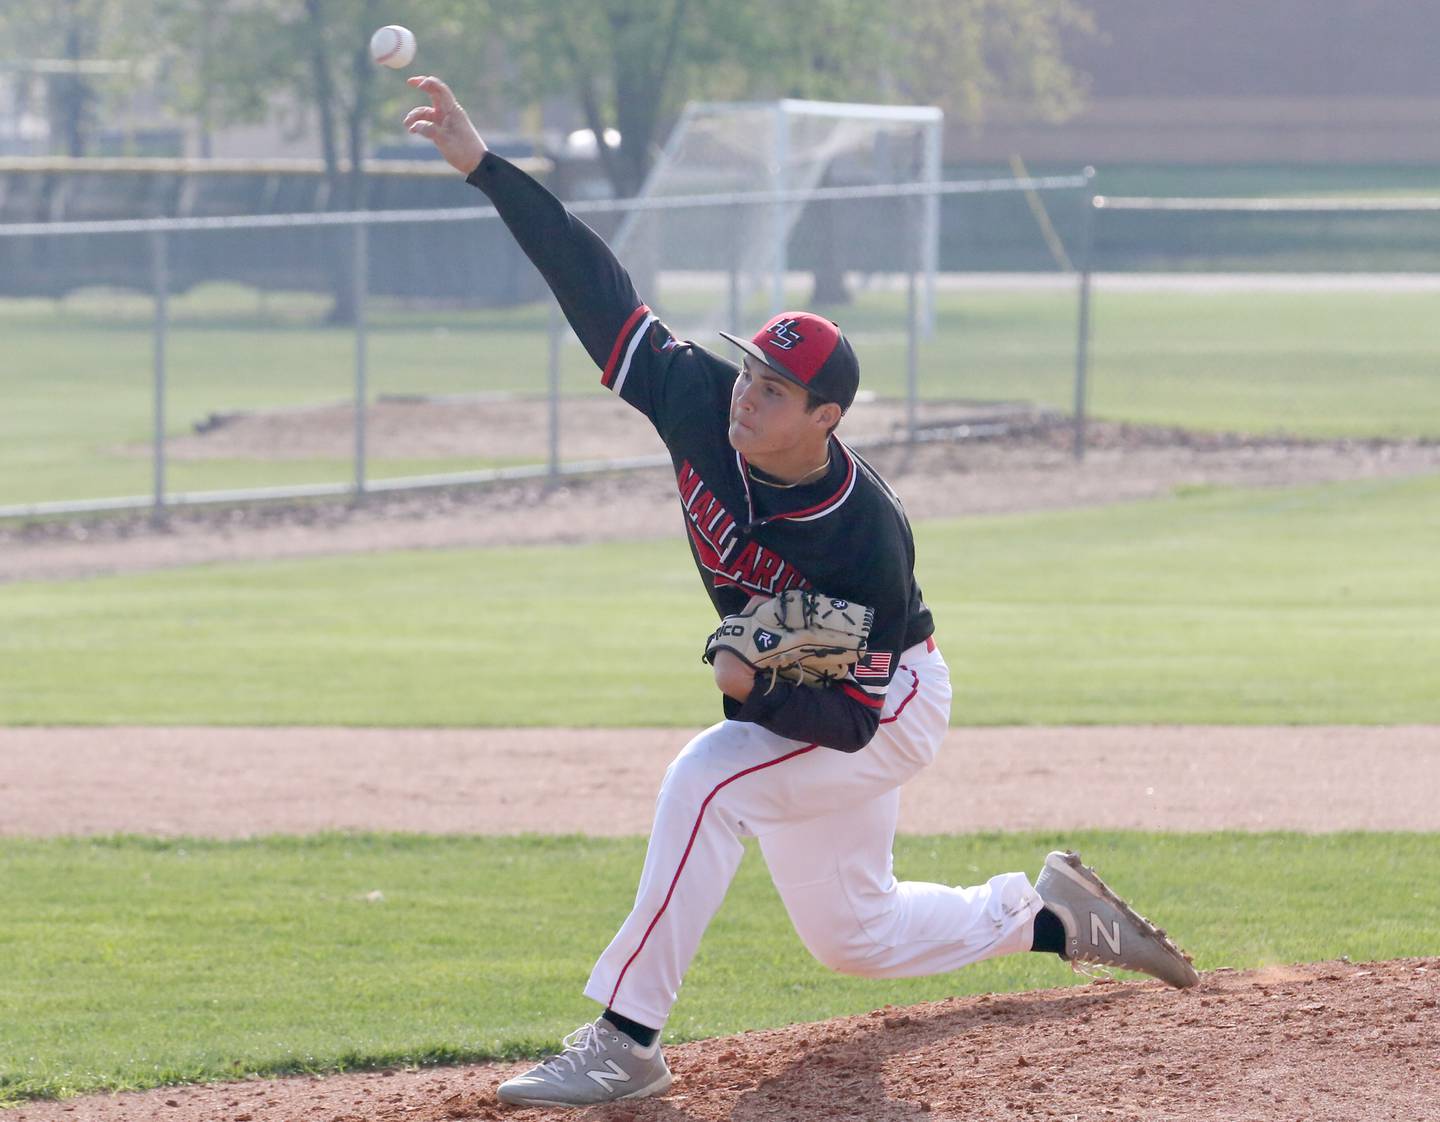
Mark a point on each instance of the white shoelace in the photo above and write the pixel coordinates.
(583, 1042)
(1087, 966)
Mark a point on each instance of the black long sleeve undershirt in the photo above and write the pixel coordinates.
(799, 711)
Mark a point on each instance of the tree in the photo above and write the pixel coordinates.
(313, 55)
(630, 64)
(966, 55)
(77, 47)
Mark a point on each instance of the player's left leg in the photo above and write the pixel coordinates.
(836, 878)
(834, 870)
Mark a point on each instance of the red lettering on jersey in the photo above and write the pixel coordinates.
(707, 513)
(712, 527)
(743, 564)
(762, 570)
(712, 531)
(767, 567)
(690, 484)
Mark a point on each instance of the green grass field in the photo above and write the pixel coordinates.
(132, 963)
(78, 393)
(1307, 606)
(135, 963)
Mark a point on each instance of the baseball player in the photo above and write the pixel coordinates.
(777, 510)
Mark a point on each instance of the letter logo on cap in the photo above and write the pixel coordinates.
(785, 336)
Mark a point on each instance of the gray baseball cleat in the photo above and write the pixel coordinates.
(600, 1064)
(1101, 928)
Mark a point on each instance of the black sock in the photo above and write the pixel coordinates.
(1049, 933)
(637, 1032)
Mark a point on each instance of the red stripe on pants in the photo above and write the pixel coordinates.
(695, 830)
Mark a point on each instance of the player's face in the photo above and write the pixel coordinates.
(768, 416)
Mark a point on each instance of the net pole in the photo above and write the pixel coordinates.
(913, 325)
(779, 233)
(360, 265)
(160, 266)
(930, 245)
(1082, 330)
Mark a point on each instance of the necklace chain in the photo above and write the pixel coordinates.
(786, 486)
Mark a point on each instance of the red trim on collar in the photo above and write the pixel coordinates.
(821, 507)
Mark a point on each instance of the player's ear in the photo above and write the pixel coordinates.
(827, 416)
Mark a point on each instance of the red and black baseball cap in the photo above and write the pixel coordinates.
(810, 351)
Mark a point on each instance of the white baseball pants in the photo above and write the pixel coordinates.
(826, 825)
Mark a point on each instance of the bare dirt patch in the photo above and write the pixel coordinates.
(1030, 467)
(503, 427)
(229, 782)
(1326, 1042)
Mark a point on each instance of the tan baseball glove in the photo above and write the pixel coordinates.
(806, 637)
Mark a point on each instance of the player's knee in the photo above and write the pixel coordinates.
(833, 935)
(844, 951)
(847, 929)
(688, 779)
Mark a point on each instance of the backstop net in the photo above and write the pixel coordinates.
(711, 260)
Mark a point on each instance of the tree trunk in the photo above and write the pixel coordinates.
(342, 309)
(73, 95)
(641, 74)
(204, 122)
(830, 286)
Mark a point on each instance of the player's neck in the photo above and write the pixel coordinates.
(795, 465)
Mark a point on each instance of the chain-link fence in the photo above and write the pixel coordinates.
(166, 362)
(1290, 318)
(282, 356)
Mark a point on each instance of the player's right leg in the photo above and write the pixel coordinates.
(599, 1064)
(692, 856)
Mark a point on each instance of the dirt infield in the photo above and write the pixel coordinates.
(229, 783)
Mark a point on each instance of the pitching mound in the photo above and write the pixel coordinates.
(1328, 1041)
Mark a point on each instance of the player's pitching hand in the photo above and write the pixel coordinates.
(446, 124)
(732, 676)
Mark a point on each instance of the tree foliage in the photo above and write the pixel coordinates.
(630, 64)
(82, 55)
(968, 55)
(627, 65)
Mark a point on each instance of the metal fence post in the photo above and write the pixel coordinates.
(360, 266)
(930, 235)
(160, 271)
(1082, 341)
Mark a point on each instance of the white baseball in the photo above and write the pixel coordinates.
(393, 46)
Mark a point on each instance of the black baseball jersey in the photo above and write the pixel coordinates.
(845, 534)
